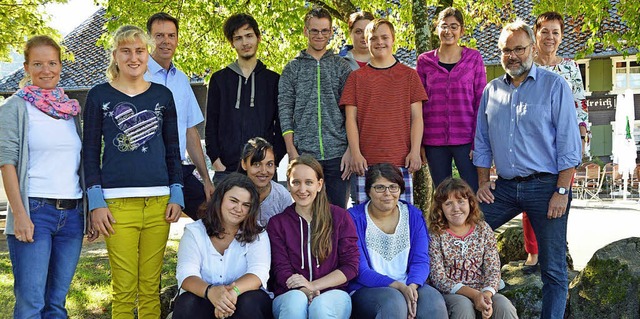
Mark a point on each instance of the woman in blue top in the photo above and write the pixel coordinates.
(394, 253)
(133, 173)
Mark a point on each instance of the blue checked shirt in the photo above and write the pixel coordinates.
(529, 129)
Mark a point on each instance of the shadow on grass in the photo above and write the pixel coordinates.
(90, 292)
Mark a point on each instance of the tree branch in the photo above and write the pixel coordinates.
(333, 11)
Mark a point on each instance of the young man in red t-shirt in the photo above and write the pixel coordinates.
(383, 107)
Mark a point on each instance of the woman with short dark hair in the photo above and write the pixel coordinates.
(394, 253)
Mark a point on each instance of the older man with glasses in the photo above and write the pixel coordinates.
(526, 126)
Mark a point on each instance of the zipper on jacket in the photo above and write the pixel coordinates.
(319, 110)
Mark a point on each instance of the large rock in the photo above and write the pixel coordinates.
(608, 287)
(525, 291)
(511, 245)
(166, 296)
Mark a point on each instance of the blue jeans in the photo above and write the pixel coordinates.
(387, 302)
(294, 304)
(439, 160)
(43, 269)
(512, 198)
(337, 189)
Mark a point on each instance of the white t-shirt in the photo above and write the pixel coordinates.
(198, 257)
(54, 156)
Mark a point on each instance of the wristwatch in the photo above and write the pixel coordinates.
(562, 191)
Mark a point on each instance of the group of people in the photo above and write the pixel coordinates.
(357, 123)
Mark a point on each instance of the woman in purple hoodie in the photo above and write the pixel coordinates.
(314, 250)
(454, 77)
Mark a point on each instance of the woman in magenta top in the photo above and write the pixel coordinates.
(454, 77)
(314, 250)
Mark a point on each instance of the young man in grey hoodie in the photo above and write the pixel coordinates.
(311, 120)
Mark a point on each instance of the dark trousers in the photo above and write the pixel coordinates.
(337, 189)
(439, 159)
(251, 304)
(193, 192)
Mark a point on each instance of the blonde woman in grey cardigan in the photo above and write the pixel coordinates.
(40, 162)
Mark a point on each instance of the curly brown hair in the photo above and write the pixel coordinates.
(437, 222)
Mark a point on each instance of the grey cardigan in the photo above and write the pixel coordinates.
(14, 150)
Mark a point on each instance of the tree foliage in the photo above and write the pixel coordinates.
(21, 19)
(203, 48)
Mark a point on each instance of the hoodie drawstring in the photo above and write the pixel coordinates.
(239, 91)
(308, 249)
(301, 244)
(253, 90)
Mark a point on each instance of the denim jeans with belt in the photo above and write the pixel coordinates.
(513, 197)
(43, 269)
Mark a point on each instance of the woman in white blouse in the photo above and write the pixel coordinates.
(224, 258)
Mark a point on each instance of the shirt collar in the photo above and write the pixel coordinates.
(154, 67)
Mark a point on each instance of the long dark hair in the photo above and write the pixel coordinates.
(322, 223)
(212, 219)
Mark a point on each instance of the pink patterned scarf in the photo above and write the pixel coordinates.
(52, 102)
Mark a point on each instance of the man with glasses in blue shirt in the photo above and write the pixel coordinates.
(309, 91)
(526, 126)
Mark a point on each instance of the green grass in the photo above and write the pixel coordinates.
(90, 293)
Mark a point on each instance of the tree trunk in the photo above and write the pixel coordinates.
(422, 182)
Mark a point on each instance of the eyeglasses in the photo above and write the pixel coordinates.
(518, 50)
(393, 188)
(452, 27)
(316, 31)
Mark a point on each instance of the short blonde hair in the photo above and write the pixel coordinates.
(375, 24)
(126, 34)
(33, 42)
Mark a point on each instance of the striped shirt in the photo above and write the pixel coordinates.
(383, 98)
(451, 111)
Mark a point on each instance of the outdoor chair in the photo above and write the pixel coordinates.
(592, 181)
(577, 187)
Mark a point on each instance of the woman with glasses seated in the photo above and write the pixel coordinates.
(454, 77)
(394, 253)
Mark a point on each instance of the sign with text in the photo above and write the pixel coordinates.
(602, 103)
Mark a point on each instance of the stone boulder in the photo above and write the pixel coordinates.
(525, 291)
(609, 286)
(511, 247)
(166, 296)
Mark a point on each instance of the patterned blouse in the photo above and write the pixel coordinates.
(471, 260)
(570, 71)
